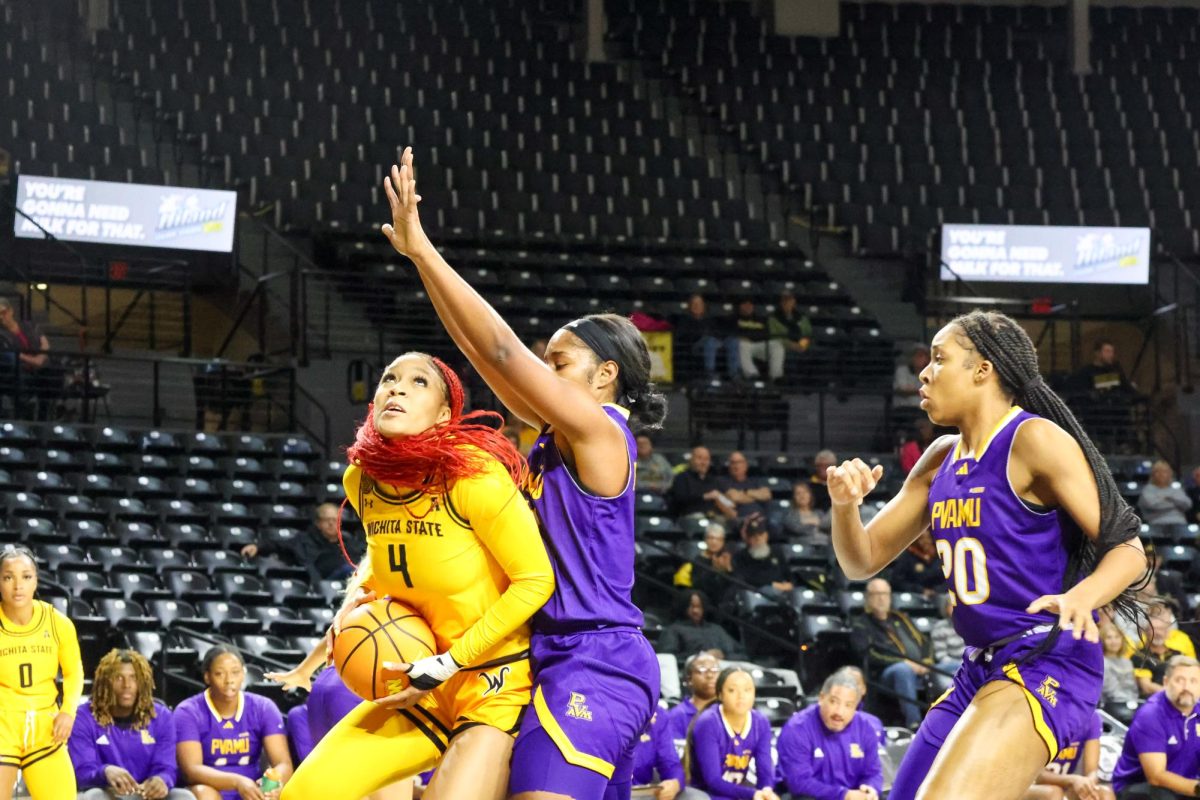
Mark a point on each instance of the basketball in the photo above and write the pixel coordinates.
(381, 631)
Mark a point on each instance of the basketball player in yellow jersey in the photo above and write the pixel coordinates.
(449, 534)
(36, 640)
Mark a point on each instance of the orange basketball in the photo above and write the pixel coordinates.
(377, 632)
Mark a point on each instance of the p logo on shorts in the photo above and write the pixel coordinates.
(577, 708)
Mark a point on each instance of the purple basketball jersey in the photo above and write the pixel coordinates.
(589, 538)
(230, 744)
(998, 554)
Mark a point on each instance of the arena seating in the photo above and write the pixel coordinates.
(922, 114)
(515, 136)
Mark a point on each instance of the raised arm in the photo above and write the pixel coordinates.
(523, 382)
(864, 550)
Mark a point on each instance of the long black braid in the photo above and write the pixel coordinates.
(1000, 340)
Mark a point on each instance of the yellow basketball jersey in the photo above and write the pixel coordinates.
(30, 657)
(470, 561)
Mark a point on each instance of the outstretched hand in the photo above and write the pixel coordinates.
(405, 231)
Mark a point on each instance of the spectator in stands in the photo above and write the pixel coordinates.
(729, 736)
(754, 343)
(123, 742)
(947, 645)
(697, 335)
(818, 481)
(1194, 493)
(1166, 608)
(1075, 772)
(25, 369)
(654, 755)
(222, 733)
(759, 564)
(918, 569)
(1105, 374)
(691, 632)
(802, 522)
(896, 653)
(1104, 396)
(709, 571)
(921, 436)
(1150, 660)
(828, 751)
(745, 495)
(791, 328)
(1119, 695)
(654, 472)
(316, 549)
(694, 491)
(1160, 759)
(906, 382)
(1162, 501)
(700, 673)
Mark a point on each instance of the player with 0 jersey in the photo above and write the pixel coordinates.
(1033, 538)
(36, 641)
(596, 675)
(449, 535)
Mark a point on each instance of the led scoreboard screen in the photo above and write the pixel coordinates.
(1045, 254)
(135, 214)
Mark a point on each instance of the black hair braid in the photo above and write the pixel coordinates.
(1000, 340)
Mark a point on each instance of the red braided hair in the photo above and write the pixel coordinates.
(433, 460)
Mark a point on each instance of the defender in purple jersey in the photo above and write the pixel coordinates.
(1033, 538)
(595, 675)
(223, 732)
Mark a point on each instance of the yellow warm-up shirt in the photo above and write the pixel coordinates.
(30, 657)
(470, 561)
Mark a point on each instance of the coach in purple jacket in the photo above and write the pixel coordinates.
(123, 742)
(830, 751)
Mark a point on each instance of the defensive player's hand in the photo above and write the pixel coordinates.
(405, 231)
(852, 481)
(1074, 613)
(361, 595)
(119, 780)
(405, 698)
(153, 789)
(294, 678)
(63, 723)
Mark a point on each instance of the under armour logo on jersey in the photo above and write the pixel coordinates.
(1047, 691)
(495, 682)
(577, 708)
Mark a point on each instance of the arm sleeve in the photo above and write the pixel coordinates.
(69, 661)
(666, 758)
(871, 772)
(709, 761)
(795, 759)
(764, 765)
(162, 762)
(185, 728)
(506, 526)
(89, 772)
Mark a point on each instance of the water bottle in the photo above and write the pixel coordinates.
(269, 782)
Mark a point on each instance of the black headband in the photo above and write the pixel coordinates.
(594, 337)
